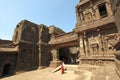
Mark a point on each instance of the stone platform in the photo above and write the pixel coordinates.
(55, 63)
(97, 59)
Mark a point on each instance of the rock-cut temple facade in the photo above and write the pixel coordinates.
(95, 40)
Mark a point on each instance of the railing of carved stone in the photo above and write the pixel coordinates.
(64, 38)
(7, 46)
(65, 35)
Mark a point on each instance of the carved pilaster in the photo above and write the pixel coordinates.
(99, 42)
(81, 45)
(85, 44)
(97, 13)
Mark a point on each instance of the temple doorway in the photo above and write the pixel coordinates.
(6, 69)
(69, 55)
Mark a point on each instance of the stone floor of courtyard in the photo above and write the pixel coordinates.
(85, 72)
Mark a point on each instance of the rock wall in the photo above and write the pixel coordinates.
(28, 58)
(26, 31)
(116, 12)
(7, 59)
(32, 42)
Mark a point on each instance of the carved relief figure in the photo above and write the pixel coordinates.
(94, 46)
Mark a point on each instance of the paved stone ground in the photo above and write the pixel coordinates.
(44, 74)
(85, 72)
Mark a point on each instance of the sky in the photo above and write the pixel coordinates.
(60, 13)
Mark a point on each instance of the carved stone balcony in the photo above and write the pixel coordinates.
(94, 24)
(6, 44)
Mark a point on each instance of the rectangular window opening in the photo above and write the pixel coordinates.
(102, 10)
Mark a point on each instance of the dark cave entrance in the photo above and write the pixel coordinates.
(6, 70)
(69, 55)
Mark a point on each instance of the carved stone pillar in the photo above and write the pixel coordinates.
(85, 44)
(99, 42)
(55, 55)
(81, 48)
(97, 14)
(81, 45)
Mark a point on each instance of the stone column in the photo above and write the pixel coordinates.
(99, 42)
(81, 48)
(85, 44)
(55, 55)
(81, 45)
